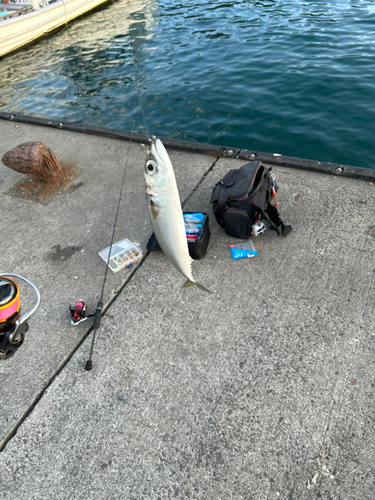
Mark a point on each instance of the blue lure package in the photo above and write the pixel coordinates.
(243, 250)
(194, 222)
(194, 217)
(197, 234)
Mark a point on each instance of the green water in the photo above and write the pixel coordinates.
(295, 78)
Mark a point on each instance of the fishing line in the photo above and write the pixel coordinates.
(98, 312)
(144, 118)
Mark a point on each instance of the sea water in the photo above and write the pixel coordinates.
(290, 77)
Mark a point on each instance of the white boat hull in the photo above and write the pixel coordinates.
(22, 30)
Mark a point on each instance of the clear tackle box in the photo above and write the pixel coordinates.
(124, 253)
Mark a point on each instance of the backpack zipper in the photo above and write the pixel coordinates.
(224, 186)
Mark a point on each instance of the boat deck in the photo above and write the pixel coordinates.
(262, 390)
(13, 12)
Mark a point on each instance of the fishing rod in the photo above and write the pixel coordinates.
(98, 312)
(13, 325)
(80, 311)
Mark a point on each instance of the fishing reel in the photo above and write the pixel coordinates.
(78, 313)
(13, 325)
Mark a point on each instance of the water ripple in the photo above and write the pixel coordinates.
(292, 77)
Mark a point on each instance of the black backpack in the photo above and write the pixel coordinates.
(243, 197)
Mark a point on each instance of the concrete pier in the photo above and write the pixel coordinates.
(262, 390)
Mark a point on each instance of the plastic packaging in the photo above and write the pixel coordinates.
(197, 235)
(191, 228)
(195, 217)
(124, 254)
(243, 250)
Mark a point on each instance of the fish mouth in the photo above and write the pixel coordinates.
(156, 150)
(152, 149)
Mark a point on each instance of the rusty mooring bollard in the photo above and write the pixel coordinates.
(33, 158)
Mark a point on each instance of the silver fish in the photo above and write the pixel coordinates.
(165, 210)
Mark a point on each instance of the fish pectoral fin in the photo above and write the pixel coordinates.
(194, 283)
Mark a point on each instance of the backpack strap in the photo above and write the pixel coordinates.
(271, 215)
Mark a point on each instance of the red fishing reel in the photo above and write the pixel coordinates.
(13, 325)
(78, 312)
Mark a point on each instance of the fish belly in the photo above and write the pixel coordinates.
(169, 228)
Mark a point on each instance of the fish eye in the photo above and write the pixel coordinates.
(151, 167)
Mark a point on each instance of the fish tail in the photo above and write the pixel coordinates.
(194, 283)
